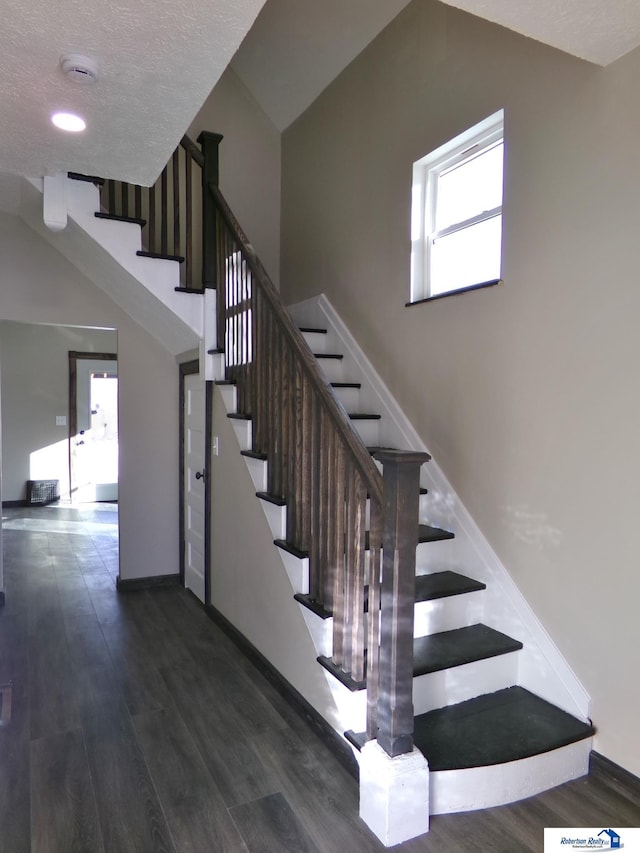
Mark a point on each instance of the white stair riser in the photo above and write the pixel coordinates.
(317, 341)
(446, 614)
(276, 518)
(369, 431)
(485, 787)
(459, 683)
(258, 471)
(321, 631)
(298, 573)
(349, 397)
(435, 557)
(229, 397)
(244, 432)
(333, 369)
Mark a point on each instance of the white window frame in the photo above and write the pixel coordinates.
(426, 172)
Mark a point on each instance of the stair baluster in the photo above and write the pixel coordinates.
(319, 465)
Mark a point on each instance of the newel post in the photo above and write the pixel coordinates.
(209, 143)
(401, 495)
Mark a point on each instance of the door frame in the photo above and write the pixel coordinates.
(74, 357)
(188, 368)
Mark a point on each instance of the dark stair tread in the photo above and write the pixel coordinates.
(428, 587)
(335, 355)
(253, 454)
(494, 728)
(291, 549)
(180, 289)
(239, 416)
(135, 220)
(221, 381)
(447, 649)
(346, 384)
(508, 725)
(313, 330)
(219, 351)
(161, 255)
(312, 605)
(425, 532)
(277, 500)
(364, 416)
(445, 584)
(444, 650)
(89, 179)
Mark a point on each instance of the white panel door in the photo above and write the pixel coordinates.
(194, 484)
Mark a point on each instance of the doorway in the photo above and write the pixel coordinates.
(93, 427)
(195, 429)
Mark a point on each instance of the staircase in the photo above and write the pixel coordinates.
(488, 739)
(498, 713)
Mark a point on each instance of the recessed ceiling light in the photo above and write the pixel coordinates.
(69, 122)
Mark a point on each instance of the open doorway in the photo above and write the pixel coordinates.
(93, 427)
(36, 417)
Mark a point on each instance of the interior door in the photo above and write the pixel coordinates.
(194, 408)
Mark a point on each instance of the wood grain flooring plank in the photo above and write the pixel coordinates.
(15, 801)
(64, 817)
(237, 769)
(269, 824)
(135, 670)
(196, 813)
(131, 818)
(321, 792)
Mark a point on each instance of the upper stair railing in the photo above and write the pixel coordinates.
(169, 212)
(358, 526)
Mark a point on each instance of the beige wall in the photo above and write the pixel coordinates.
(35, 389)
(38, 285)
(525, 394)
(249, 164)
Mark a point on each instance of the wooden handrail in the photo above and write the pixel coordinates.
(192, 149)
(318, 462)
(166, 210)
(362, 457)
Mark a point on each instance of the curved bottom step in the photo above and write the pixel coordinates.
(474, 788)
(495, 728)
(497, 748)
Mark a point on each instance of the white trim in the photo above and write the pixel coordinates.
(542, 668)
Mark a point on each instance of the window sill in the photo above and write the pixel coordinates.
(466, 289)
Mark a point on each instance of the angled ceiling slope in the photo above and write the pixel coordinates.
(158, 61)
(599, 31)
(297, 47)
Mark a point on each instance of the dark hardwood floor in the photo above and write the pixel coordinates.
(138, 727)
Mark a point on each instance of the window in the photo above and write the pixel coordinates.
(456, 213)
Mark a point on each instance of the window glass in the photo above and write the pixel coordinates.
(456, 213)
(466, 257)
(470, 187)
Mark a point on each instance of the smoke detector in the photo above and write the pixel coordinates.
(78, 68)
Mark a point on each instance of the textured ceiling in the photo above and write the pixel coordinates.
(158, 59)
(599, 31)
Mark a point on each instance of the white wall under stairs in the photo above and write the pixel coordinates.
(105, 252)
